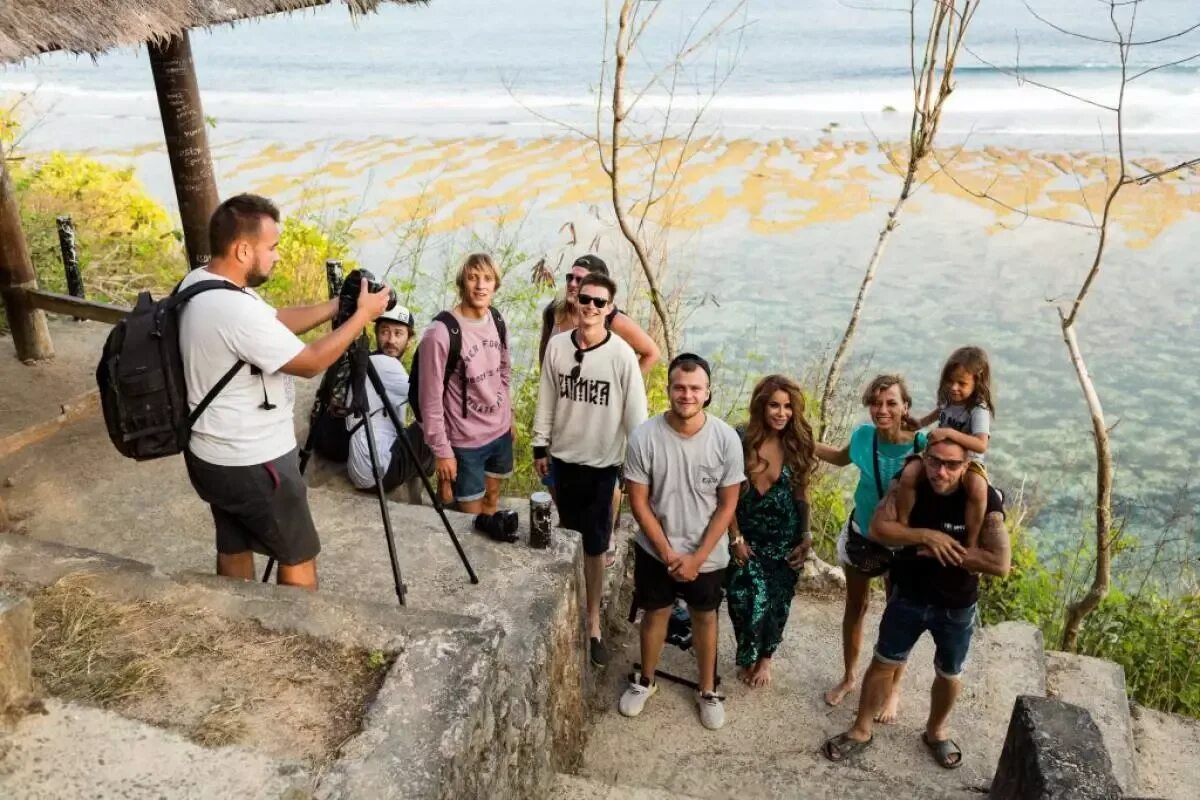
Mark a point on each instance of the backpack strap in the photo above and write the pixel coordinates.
(501, 328)
(212, 393)
(180, 296)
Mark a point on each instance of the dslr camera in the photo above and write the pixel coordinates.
(348, 296)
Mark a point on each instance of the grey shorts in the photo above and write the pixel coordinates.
(262, 508)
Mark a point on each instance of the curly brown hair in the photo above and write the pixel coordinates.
(974, 361)
(799, 450)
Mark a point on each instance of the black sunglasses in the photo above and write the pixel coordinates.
(578, 364)
(598, 302)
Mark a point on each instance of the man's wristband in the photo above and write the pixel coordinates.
(541, 452)
(736, 540)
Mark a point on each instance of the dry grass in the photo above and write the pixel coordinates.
(216, 681)
(82, 651)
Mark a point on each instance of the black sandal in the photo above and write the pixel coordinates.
(842, 747)
(944, 752)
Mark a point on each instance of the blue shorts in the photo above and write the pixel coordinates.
(492, 460)
(903, 623)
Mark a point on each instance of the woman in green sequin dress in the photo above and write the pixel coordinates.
(770, 533)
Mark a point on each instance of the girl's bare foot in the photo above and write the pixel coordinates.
(891, 709)
(762, 674)
(837, 694)
(746, 674)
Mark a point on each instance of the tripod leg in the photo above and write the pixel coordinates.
(306, 451)
(433, 495)
(383, 505)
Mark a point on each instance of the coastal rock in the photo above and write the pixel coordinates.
(1053, 751)
(819, 577)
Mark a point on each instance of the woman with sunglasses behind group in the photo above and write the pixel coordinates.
(562, 314)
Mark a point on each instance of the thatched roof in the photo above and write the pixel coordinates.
(30, 27)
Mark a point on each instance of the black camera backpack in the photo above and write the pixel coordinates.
(143, 390)
(453, 358)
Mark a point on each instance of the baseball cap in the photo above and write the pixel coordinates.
(592, 263)
(398, 313)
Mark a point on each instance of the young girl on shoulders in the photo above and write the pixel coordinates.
(964, 416)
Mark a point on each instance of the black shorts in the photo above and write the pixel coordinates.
(263, 507)
(585, 496)
(654, 588)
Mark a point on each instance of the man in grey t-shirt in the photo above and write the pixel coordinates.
(683, 472)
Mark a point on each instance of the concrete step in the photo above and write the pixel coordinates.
(74, 751)
(1098, 686)
(576, 787)
(1168, 754)
(769, 747)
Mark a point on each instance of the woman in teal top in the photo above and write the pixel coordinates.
(770, 537)
(878, 449)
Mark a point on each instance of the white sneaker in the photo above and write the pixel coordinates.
(636, 694)
(712, 710)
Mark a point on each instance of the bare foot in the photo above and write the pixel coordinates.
(837, 694)
(746, 674)
(890, 711)
(762, 674)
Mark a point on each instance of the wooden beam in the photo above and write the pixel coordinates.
(30, 335)
(75, 306)
(73, 410)
(187, 141)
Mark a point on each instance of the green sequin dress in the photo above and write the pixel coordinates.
(760, 592)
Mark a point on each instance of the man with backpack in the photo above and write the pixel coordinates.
(242, 456)
(393, 332)
(460, 392)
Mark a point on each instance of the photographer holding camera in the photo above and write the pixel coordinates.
(242, 456)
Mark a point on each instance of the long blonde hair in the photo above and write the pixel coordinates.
(799, 449)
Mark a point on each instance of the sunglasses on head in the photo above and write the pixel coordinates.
(598, 302)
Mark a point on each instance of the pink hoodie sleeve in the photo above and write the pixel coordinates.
(434, 350)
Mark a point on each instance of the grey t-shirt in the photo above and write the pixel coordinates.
(683, 474)
(973, 421)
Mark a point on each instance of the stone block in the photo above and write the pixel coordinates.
(1053, 751)
(16, 640)
(1098, 686)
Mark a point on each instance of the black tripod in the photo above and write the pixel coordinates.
(362, 370)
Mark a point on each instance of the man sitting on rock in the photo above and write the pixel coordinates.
(393, 331)
(934, 587)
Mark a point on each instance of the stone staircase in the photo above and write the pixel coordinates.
(73, 489)
(769, 747)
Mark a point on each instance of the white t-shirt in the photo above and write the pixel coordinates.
(216, 329)
(395, 383)
(684, 474)
(586, 419)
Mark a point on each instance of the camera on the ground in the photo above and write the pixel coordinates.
(348, 296)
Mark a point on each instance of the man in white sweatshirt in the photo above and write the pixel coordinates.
(591, 397)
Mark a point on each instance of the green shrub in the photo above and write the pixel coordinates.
(127, 242)
(1157, 640)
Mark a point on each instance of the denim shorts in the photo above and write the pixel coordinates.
(903, 623)
(492, 460)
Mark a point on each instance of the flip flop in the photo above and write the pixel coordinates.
(943, 752)
(842, 747)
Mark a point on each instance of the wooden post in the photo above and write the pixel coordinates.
(70, 255)
(30, 335)
(187, 141)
